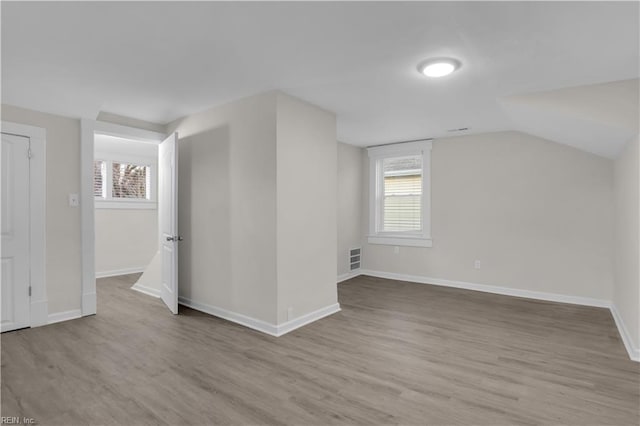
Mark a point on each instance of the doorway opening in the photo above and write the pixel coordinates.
(129, 211)
(125, 187)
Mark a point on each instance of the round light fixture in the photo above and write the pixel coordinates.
(438, 67)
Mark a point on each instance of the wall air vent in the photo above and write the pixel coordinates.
(355, 255)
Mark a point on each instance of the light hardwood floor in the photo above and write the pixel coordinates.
(398, 353)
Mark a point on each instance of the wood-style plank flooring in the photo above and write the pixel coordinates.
(398, 353)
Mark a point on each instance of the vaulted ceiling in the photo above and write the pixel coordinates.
(157, 61)
(598, 118)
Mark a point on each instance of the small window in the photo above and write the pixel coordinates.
(124, 184)
(400, 194)
(130, 181)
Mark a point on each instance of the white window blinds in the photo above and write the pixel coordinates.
(126, 181)
(402, 192)
(130, 181)
(99, 179)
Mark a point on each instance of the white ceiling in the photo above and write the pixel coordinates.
(598, 118)
(160, 61)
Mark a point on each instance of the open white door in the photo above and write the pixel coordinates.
(168, 219)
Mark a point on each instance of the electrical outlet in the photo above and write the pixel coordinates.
(477, 264)
(396, 250)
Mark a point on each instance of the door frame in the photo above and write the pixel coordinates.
(39, 310)
(88, 130)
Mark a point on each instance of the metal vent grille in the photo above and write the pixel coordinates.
(354, 258)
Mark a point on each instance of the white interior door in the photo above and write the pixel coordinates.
(14, 176)
(168, 219)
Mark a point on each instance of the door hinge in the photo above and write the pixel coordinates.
(29, 291)
(29, 153)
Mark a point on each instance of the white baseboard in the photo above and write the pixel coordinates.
(507, 291)
(149, 291)
(349, 275)
(247, 321)
(259, 325)
(116, 272)
(288, 326)
(634, 352)
(64, 316)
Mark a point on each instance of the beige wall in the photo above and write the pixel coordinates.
(626, 294)
(258, 218)
(306, 207)
(535, 213)
(63, 262)
(125, 239)
(350, 193)
(227, 207)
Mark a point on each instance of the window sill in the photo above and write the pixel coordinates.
(400, 241)
(131, 204)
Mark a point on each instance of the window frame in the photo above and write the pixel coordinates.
(377, 155)
(109, 202)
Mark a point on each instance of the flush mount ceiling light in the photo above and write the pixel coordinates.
(438, 67)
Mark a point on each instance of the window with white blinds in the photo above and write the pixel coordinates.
(120, 184)
(99, 187)
(400, 188)
(130, 181)
(402, 208)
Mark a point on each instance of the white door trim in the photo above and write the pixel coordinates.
(37, 220)
(88, 129)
